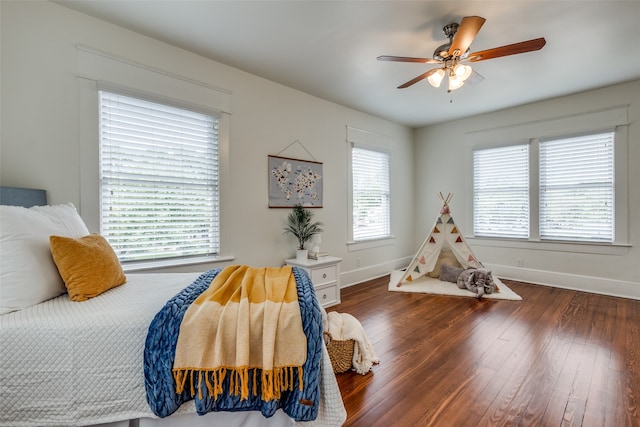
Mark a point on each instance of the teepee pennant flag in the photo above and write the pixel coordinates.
(448, 233)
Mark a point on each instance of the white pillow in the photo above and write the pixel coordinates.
(28, 275)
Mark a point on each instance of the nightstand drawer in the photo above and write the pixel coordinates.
(327, 295)
(323, 275)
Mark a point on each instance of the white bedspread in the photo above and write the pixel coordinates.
(80, 363)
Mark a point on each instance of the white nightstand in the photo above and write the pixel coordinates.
(325, 276)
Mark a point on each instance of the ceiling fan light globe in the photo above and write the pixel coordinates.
(436, 78)
(462, 71)
(455, 82)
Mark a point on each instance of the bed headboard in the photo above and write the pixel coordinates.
(26, 197)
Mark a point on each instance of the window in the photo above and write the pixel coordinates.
(370, 193)
(576, 188)
(501, 192)
(159, 179)
(570, 179)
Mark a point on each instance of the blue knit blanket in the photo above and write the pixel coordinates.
(160, 348)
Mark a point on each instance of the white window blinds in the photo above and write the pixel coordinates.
(501, 192)
(576, 188)
(371, 208)
(159, 179)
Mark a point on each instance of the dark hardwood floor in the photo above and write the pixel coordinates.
(556, 358)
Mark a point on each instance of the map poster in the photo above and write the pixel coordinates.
(294, 182)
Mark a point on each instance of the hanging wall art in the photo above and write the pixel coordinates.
(294, 182)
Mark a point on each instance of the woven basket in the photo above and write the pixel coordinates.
(340, 353)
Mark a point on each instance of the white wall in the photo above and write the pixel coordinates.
(44, 136)
(441, 167)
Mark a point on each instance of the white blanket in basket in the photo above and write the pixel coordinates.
(343, 326)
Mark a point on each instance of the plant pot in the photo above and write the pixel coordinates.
(302, 254)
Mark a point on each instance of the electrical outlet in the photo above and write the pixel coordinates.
(519, 262)
(357, 262)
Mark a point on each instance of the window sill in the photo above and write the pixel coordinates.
(368, 244)
(131, 267)
(563, 246)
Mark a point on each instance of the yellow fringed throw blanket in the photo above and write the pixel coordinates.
(247, 323)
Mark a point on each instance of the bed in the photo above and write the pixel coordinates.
(66, 363)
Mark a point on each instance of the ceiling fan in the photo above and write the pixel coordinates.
(454, 54)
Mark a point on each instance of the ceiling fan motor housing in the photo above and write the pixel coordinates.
(450, 30)
(442, 52)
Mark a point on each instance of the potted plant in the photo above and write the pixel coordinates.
(299, 224)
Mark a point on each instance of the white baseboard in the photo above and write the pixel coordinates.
(359, 275)
(596, 285)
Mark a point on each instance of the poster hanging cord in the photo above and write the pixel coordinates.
(300, 144)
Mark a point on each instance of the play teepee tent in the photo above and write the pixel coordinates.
(444, 232)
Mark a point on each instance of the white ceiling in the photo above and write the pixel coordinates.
(328, 48)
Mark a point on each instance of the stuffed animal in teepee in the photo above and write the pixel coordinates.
(477, 280)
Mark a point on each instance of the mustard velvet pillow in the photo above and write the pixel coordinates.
(88, 265)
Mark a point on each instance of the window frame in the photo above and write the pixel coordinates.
(524, 181)
(358, 138)
(98, 69)
(611, 185)
(178, 259)
(615, 118)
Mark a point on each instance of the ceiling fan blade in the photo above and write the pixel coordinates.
(511, 49)
(408, 59)
(417, 79)
(468, 30)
